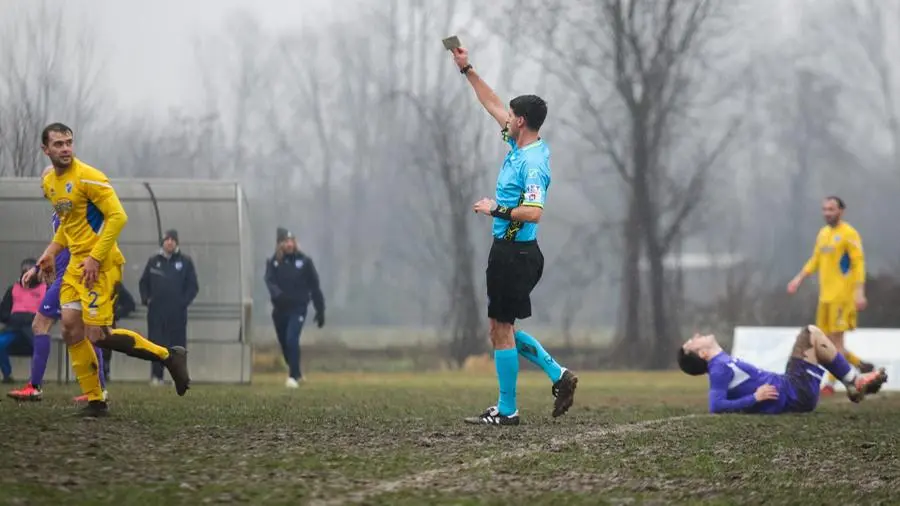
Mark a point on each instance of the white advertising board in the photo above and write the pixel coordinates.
(770, 347)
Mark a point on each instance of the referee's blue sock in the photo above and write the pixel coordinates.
(507, 364)
(532, 350)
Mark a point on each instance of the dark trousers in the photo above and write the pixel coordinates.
(166, 328)
(288, 326)
(107, 357)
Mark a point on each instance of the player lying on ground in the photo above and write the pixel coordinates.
(91, 219)
(48, 314)
(738, 387)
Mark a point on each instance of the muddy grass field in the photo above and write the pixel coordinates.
(632, 438)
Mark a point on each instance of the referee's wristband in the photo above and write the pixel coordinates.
(502, 212)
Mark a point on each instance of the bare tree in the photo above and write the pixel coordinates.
(576, 270)
(314, 104)
(860, 36)
(639, 79)
(446, 154)
(45, 77)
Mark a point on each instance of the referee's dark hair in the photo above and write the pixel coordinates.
(532, 108)
(837, 200)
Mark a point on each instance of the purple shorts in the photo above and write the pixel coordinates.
(50, 303)
(800, 386)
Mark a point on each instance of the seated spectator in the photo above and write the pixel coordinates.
(17, 310)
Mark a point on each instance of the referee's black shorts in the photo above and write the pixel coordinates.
(514, 268)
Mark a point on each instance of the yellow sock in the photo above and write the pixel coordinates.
(135, 345)
(87, 369)
(852, 358)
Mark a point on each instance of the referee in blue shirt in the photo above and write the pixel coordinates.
(515, 263)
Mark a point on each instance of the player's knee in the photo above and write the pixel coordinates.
(94, 333)
(40, 325)
(816, 336)
(837, 338)
(502, 335)
(825, 349)
(71, 334)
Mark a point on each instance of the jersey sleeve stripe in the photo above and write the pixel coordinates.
(533, 204)
(98, 183)
(94, 217)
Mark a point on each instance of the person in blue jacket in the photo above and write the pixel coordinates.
(293, 282)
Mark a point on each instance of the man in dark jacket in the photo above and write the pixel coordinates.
(292, 281)
(167, 287)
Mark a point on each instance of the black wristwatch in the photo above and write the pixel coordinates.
(466, 69)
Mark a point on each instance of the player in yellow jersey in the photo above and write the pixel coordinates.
(839, 261)
(91, 219)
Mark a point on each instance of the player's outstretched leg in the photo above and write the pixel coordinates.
(135, 345)
(826, 354)
(564, 381)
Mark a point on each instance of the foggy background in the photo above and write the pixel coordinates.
(692, 143)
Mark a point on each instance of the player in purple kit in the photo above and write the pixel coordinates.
(736, 386)
(48, 314)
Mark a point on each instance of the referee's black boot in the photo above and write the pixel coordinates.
(564, 391)
(492, 416)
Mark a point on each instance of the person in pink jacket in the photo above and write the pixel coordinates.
(17, 310)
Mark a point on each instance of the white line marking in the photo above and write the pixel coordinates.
(426, 477)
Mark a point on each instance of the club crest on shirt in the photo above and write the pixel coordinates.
(298, 263)
(63, 207)
(178, 266)
(69, 187)
(837, 238)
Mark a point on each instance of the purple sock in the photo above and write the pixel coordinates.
(840, 368)
(99, 353)
(39, 359)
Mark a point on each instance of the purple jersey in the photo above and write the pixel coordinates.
(50, 305)
(733, 383)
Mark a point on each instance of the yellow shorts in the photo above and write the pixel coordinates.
(97, 305)
(836, 316)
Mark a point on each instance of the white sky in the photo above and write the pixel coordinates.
(148, 47)
(149, 51)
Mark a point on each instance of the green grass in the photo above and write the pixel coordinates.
(397, 439)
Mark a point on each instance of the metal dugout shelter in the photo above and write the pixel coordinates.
(211, 219)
